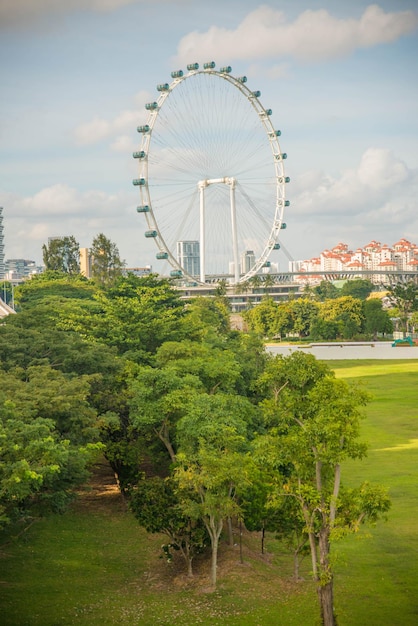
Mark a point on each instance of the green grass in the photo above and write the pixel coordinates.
(384, 567)
(98, 567)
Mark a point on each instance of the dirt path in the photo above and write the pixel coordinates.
(101, 493)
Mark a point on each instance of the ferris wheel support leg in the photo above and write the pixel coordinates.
(232, 183)
(202, 232)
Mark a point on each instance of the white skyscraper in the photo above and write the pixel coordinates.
(188, 256)
(247, 261)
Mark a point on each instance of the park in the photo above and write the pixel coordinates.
(89, 561)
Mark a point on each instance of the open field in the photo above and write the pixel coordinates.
(95, 566)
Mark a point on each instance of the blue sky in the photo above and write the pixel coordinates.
(340, 78)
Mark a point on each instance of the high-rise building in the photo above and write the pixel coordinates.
(19, 269)
(1, 245)
(247, 261)
(85, 262)
(188, 256)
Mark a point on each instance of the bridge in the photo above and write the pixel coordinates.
(5, 309)
(382, 277)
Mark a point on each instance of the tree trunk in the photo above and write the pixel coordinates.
(214, 564)
(296, 564)
(230, 532)
(325, 580)
(326, 601)
(214, 528)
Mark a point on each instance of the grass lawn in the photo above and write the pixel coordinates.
(379, 574)
(96, 566)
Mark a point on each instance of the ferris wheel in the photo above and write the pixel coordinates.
(211, 176)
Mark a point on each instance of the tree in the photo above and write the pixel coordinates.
(347, 312)
(376, 319)
(159, 398)
(39, 470)
(314, 426)
(269, 319)
(206, 316)
(303, 312)
(213, 461)
(156, 504)
(405, 298)
(106, 263)
(133, 315)
(213, 476)
(358, 288)
(62, 255)
(52, 284)
(326, 290)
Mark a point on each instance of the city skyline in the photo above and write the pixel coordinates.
(339, 80)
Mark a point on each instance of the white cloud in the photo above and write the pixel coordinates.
(313, 36)
(14, 12)
(91, 132)
(380, 175)
(280, 70)
(61, 210)
(126, 121)
(124, 144)
(375, 200)
(62, 200)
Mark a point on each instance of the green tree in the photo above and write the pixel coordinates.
(216, 368)
(324, 330)
(269, 319)
(303, 313)
(376, 319)
(326, 290)
(62, 255)
(134, 315)
(358, 288)
(405, 298)
(206, 316)
(106, 263)
(156, 504)
(53, 284)
(314, 426)
(213, 476)
(213, 461)
(39, 470)
(159, 398)
(347, 312)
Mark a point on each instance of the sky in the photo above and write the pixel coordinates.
(339, 76)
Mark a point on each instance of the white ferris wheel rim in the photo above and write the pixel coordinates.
(264, 115)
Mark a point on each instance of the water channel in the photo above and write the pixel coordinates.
(349, 350)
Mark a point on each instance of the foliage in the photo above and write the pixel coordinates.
(39, 469)
(156, 504)
(90, 559)
(106, 264)
(268, 319)
(376, 319)
(303, 313)
(357, 288)
(326, 290)
(50, 284)
(346, 312)
(405, 298)
(133, 316)
(314, 426)
(62, 254)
